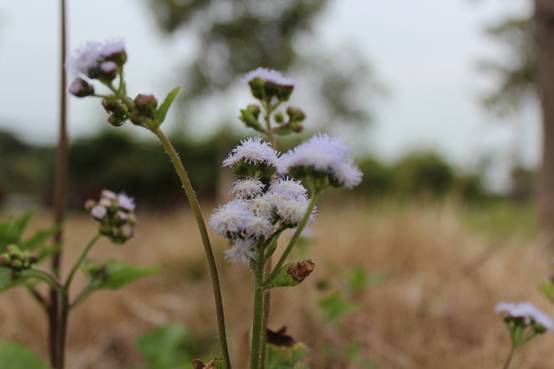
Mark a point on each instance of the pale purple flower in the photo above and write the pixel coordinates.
(252, 151)
(84, 59)
(529, 312)
(126, 202)
(107, 194)
(112, 47)
(288, 188)
(261, 206)
(290, 211)
(324, 154)
(258, 227)
(242, 252)
(231, 219)
(247, 188)
(269, 75)
(108, 67)
(98, 212)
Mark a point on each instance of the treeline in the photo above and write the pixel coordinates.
(116, 161)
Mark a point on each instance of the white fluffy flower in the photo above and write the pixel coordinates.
(529, 312)
(85, 59)
(247, 188)
(288, 188)
(98, 212)
(231, 219)
(258, 228)
(112, 47)
(242, 252)
(261, 206)
(269, 75)
(126, 202)
(324, 154)
(290, 211)
(253, 151)
(109, 195)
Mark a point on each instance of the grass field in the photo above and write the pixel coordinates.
(445, 267)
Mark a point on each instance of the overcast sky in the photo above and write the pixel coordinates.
(424, 51)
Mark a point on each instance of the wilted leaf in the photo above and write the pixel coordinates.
(280, 338)
(16, 356)
(166, 104)
(295, 357)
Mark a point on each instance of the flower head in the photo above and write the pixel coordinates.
(247, 188)
(322, 155)
(254, 152)
(112, 47)
(126, 202)
(526, 311)
(288, 188)
(267, 75)
(231, 219)
(242, 252)
(85, 60)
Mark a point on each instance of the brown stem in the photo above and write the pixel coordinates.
(59, 193)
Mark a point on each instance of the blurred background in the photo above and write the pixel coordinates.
(438, 99)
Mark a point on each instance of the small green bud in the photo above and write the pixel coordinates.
(115, 107)
(295, 114)
(146, 105)
(249, 117)
(281, 91)
(80, 88)
(279, 118)
(257, 87)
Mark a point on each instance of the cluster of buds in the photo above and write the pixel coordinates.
(16, 259)
(524, 321)
(271, 88)
(115, 214)
(104, 62)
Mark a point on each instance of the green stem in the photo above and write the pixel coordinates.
(267, 300)
(195, 206)
(81, 297)
(80, 260)
(46, 277)
(37, 297)
(294, 239)
(509, 359)
(257, 321)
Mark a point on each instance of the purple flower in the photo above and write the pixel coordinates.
(529, 312)
(252, 151)
(323, 154)
(269, 75)
(112, 47)
(98, 212)
(126, 202)
(288, 188)
(85, 59)
(231, 219)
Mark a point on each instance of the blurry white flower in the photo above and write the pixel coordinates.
(126, 202)
(98, 212)
(247, 188)
(242, 252)
(261, 206)
(323, 154)
(252, 151)
(529, 312)
(231, 219)
(85, 59)
(258, 228)
(269, 75)
(290, 211)
(112, 47)
(107, 194)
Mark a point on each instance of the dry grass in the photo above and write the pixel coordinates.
(433, 312)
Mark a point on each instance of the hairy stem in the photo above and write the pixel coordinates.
(195, 206)
(80, 260)
(258, 316)
(294, 239)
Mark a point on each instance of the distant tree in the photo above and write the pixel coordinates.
(234, 37)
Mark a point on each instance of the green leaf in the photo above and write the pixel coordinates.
(166, 104)
(116, 274)
(15, 356)
(547, 289)
(335, 307)
(360, 279)
(12, 230)
(9, 280)
(295, 357)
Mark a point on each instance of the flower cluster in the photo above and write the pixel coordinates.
(325, 159)
(257, 212)
(16, 259)
(253, 158)
(115, 214)
(267, 85)
(525, 314)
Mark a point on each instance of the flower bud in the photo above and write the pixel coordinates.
(295, 114)
(249, 117)
(108, 70)
(257, 87)
(80, 88)
(279, 118)
(146, 104)
(281, 91)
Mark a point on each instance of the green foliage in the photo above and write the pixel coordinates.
(547, 289)
(115, 274)
(12, 231)
(171, 346)
(335, 307)
(359, 279)
(15, 356)
(166, 104)
(295, 357)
